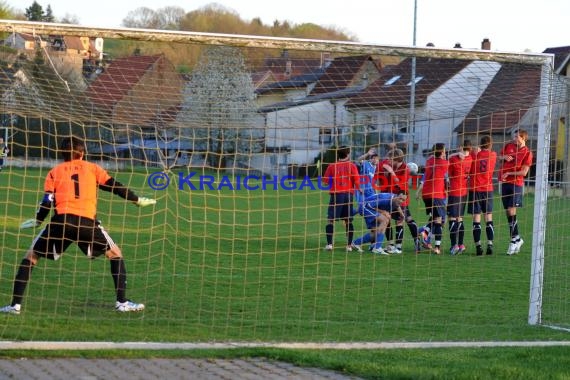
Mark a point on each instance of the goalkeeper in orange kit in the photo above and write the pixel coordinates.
(71, 189)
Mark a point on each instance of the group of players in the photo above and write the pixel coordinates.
(450, 185)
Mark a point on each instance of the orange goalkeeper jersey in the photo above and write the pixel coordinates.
(74, 185)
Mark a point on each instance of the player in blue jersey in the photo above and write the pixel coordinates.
(377, 210)
(368, 164)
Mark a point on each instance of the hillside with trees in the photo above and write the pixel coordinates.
(212, 18)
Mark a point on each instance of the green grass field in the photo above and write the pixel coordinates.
(238, 265)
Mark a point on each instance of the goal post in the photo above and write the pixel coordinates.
(542, 188)
(232, 134)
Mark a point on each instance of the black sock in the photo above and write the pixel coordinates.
(490, 230)
(21, 281)
(413, 226)
(119, 273)
(349, 233)
(329, 229)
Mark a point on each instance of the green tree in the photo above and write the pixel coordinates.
(48, 17)
(35, 12)
(6, 12)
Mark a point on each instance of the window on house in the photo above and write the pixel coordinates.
(392, 80)
(416, 80)
(325, 135)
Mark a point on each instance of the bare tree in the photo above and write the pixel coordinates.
(141, 17)
(167, 18)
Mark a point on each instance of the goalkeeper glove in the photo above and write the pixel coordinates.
(30, 223)
(143, 202)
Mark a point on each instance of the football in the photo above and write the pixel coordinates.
(413, 168)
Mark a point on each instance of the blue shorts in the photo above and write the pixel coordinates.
(512, 195)
(483, 202)
(435, 207)
(340, 206)
(371, 221)
(456, 206)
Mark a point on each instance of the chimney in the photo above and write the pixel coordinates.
(486, 44)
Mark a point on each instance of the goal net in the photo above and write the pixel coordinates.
(231, 135)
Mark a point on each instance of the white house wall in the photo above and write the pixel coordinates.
(448, 105)
(298, 129)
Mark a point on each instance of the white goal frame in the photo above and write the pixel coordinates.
(545, 110)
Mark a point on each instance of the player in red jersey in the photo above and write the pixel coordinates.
(482, 171)
(516, 159)
(459, 169)
(342, 179)
(434, 194)
(397, 178)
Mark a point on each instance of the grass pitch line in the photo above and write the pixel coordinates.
(15, 345)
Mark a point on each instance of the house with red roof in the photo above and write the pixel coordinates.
(136, 92)
(311, 117)
(425, 110)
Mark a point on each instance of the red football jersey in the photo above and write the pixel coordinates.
(459, 169)
(342, 177)
(482, 170)
(522, 157)
(434, 178)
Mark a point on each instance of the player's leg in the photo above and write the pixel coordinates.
(95, 241)
(49, 243)
(489, 226)
(438, 214)
(510, 203)
(331, 217)
(382, 221)
(453, 223)
(346, 215)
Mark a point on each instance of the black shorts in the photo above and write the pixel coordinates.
(456, 206)
(340, 206)
(64, 229)
(483, 202)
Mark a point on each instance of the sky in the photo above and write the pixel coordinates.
(510, 25)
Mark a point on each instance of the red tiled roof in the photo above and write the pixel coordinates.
(73, 42)
(297, 66)
(262, 77)
(118, 79)
(510, 94)
(392, 89)
(340, 74)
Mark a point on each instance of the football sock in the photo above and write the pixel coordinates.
(490, 230)
(366, 238)
(119, 273)
(329, 229)
(437, 233)
(453, 227)
(460, 233)
(379, 240)
(399, 234)
(476, 232)
(21, 281)
(413, 226)
(513, 225)
(349, 232)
